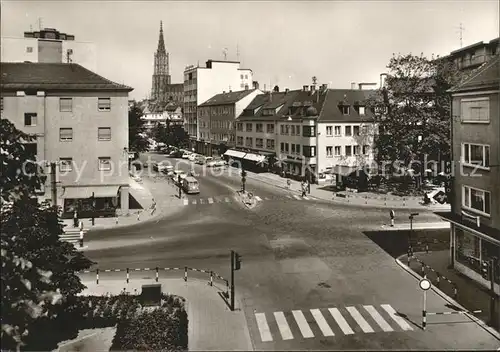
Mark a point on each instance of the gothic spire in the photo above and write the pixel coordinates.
(161, 42)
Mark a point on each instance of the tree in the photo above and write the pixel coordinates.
(171, 135)
(412, 111)
(137, 132)
(38, 270)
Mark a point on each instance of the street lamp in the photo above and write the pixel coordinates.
(410, 249)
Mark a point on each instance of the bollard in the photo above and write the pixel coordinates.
(426, 248)
(366, 200)
(156, 274)
(81, 236)
(211, 278)
(423, 269)
(385, 200)
(185, 274)
(404, 201)
(455, 292)
(97, 276)
(128, 276)
(424, 319)
(438, 279)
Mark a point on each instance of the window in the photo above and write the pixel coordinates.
(297, 148)
(308, 131)
(329, 130)
(282, 147)
(30, 119)
(297, 130)
(66, 104)
(239, 140)
(270, 128)
(104, 134)
(282, 129)
(309, 151)
(293, 148)
(475, 110)
(293, 130)
(366, 149)
(287, 129)
(241, 76)
(1, 103)
(239, 126)
(476, 154)
(329, 151)
(476, 200)
(65, 134)
(468, 249)
(65, 164)
(356, 150)
(259, 143)
(344, 109)
(104, 104)
(348, 150)
(348, 131)
(270, 143)
(287, 148)
(362, 110)
(249, 127)
(259, 127)
(104, 164)
(337, 131)
(29, 49)
(246, 76)
(356, 130)
(337, 150)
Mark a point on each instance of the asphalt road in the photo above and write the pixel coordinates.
(306, 264)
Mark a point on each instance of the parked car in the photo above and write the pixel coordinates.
(190, 185)
(176, 173)
(186, 155)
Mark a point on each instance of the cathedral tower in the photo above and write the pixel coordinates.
(161, 74)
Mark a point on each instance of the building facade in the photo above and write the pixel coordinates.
(309, 131)
(202, 83)
(171, 115)
(475, 204)
(473, 56)
(48, 46)
(216, 118)
(80, 121)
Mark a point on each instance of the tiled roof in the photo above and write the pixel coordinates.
(54, 76)
(227, 98)
(352, 97)
(486, 76)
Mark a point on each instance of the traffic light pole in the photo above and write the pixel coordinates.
(232, 280)
(53, 182)
(93, 209)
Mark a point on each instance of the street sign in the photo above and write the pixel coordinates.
(440, 197)
(424, 284)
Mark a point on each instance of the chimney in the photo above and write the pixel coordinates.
(276, 88)
(305, 88)
(286, 91)
(361, 85)
(353, 85)
(313, 88)
(255, 84)
(324, 86)
(383, 76)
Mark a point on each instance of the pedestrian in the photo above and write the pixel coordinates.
(288, 183)
(392, 215)
(153, 207)
(304, 189)
(75, 218)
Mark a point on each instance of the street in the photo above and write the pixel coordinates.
(310, 278)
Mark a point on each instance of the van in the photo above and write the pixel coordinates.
(190, 185)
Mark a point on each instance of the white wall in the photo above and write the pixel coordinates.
(84, 53)
(13, 49)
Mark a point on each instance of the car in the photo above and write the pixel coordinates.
(193, 157)
(176, 173)
(186, 155)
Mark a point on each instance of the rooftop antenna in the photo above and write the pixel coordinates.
(31, 28)
(461, 30)
(237, 52)
(224, 52)
(40, 23)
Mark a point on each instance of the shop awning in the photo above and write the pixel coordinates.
(86, 192)
(234, 153)
(489, 233)
(254, 157)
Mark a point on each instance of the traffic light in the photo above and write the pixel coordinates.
(237, 261)
(485, 270)
(448, 186)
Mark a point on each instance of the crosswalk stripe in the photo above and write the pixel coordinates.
(258, 198)
(378, 318)
(398, 319)
(296, 197)
(194, 201)
(363, 324)
(302, 323)
(201, 201)
(346, 329)
(265, 331)
(321, 321)
(285, 331)
(186, 202)
(226, 200)
(210, 201)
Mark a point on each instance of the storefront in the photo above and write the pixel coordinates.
(472, 249)
(105, 203)
(254, 162)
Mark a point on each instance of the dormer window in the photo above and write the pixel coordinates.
(361, 110)
(344, 109)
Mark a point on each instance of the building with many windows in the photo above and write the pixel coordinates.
(171, 114)
(202, 83)
(80, 121)
(474, 55)
(475, 205)
(216, 119)
(48, 46)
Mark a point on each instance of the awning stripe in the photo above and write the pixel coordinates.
(234, 153)
(86, 192)
(254, 157)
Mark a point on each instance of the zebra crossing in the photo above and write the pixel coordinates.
(329, 322)
(230, 199)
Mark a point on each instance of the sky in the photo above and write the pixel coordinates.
(285, 43)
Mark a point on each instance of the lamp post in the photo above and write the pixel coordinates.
(410, 248)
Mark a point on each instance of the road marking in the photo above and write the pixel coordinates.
(201, 201)
(363, 324)
(258, 198)
(186, 202)
(302, 323)
(296, 197)
(285, 331)
(342, 323)
(321, 321)
(289, 197)
(398, 319)
(194, 201)
(265, 331)
(210, 201)
(378, 318)
(227, 200)
(305, 197)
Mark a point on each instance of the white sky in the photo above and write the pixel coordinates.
(283, 42)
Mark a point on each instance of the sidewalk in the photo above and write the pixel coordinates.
(212, 326)
(470, 295)
(163, 193)
(360, 199)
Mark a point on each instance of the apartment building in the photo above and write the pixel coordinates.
(171, 114)
(310, 131)
(48, 46)
(216, 119)
(474, 55)
(475, 205)
(202, 83)
(80, 121)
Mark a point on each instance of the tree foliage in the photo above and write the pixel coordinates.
(413, 110)
(171, 135)
(137, 132)
(38, 270)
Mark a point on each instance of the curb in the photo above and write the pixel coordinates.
(450, 300)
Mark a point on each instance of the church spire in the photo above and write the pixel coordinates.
(161, 42)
